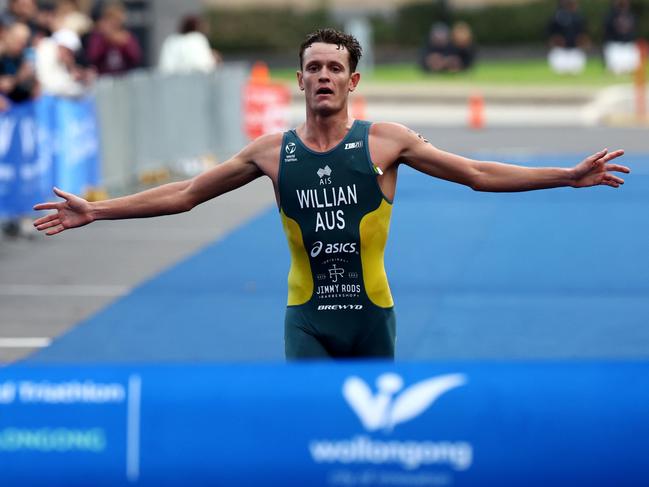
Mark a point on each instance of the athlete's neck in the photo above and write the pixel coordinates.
(323, 132)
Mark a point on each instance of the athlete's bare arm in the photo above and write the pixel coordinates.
(258, 158)
(396, 143)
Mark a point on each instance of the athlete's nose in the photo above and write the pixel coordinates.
(324, 75)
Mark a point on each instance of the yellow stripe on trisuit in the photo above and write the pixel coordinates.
(300, 280)
(374, 229)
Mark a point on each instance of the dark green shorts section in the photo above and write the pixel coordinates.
(339, 334)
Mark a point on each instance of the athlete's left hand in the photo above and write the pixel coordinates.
(596, 170)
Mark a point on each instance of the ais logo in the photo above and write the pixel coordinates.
(333, 248)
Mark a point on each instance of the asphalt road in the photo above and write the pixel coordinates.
(47, 285)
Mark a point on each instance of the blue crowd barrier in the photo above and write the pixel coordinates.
(43, 143)
(326, 424)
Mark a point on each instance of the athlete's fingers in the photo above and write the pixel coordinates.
(47, 225)
(611, 177)
(62, 194)
(47, 206)
(596, 156)
(613, 155)
(607, 181)
(55, 230)
(617, 168)
(46, 219)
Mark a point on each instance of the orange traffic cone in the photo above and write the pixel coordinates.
(476, 111)
(358, 108)
(260, 73)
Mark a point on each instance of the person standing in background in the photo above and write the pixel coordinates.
(112, 49)
(434, 57)
(56, 66)
(17, 75)
(17, 85)
(462, 46)
(188, 50)
(621, 54)
(69, 15)
(23, 11)
(448, 50)
(568, 39)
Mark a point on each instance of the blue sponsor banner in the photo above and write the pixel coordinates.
(51, 141)
(327, 424)
(25, 176)
(77, 145)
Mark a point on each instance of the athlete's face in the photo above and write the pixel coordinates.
(326, 78)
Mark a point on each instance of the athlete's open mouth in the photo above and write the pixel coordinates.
(324, 91)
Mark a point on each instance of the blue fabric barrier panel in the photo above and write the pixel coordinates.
(51, 141)
(25, 176)
(327, 424)
(77, 144)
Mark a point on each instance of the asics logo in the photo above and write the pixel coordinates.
(333, 248)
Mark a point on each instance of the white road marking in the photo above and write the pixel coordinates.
(73, 290)
(21, 342)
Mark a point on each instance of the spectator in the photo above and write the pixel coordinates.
(17, 75)
(437, 50)
(56, 66)
(188, 50)
(111, 48)
(568, 39)
(462, 48)
(23, 11)
(447, 50)
(70, 16)
(621, 54)
(17, 78)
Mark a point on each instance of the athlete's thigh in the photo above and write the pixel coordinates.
(379, 342)
(299, 343)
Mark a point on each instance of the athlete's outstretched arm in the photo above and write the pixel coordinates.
(167, 199)
(595, 170)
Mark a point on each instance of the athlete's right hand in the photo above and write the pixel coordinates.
(72, 213)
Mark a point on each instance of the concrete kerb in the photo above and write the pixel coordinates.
(505, 105)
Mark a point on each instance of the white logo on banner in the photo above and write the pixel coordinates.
(384, 410)
(7, 126)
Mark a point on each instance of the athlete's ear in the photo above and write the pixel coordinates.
(354, 80)
(300, 81)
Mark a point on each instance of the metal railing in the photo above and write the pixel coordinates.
(150, 122)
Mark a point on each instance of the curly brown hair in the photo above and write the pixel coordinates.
(333, 36)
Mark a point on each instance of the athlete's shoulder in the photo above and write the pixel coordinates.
(267, 142)
(391, 131)
(263, 147)
(393, 134)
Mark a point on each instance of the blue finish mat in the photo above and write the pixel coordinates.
(561, 274)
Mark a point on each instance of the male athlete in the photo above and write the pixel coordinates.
(334, 181)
